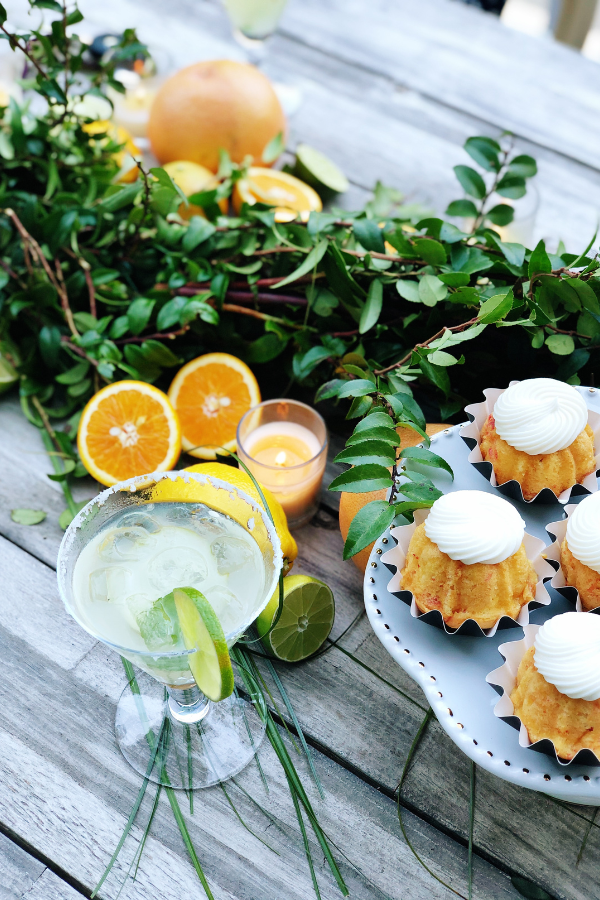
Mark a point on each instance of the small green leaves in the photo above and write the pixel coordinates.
(496, 308)
(511, 185)
(310, 262)
(376, 432)
(431, 290)
(357, 387)
(27, 516)
(199, 230)
(362, 478)
(368, 451)
(502, 214)
(431, 251)
(369, 235)
(539, 262)
(425, 457)
(138, 314)
(274, 149)
(372, 308)
(560, 344)
(409, 290)
(484, 151)
(523, 165)
(471, 181)
(464, 208)
(368, 524)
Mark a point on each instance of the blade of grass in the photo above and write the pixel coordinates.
(586, 835)
(411, 752)
(188, 741)
(307, 849)
(297, 725)
(242, 822)
(256, 757)
(147, 831)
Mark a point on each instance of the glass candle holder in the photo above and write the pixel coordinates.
(284, 444)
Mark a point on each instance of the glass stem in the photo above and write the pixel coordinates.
(188, 705)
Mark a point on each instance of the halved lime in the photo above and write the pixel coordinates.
(202, 632)
(319, 171)
(8, 374)
(305, 622)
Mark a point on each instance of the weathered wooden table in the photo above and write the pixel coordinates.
(391, 90)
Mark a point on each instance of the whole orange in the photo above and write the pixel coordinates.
(351, 503)
(213, 105)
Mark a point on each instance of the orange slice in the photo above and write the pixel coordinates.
(288, 194)
(211, 394)
(128, 428)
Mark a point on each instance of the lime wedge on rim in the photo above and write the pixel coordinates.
(305, 622)
(319, 171)
(202, 632)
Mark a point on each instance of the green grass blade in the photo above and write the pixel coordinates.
(190, 771)
(263, 777)
(411, 752)
(242, 822)
(297, 726)
(586, 835)
(307, 849)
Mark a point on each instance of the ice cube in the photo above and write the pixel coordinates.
(228, 607)
(126, 543)
(159, 625)
(140, 519)
(207, 525)
(177, 567)
(177, 513)
(231, 554)
(108, 585)
(133, 607)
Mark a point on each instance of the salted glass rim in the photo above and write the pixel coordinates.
(142, 481)
(252, 409)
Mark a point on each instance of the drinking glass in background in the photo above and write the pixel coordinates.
(253, 21)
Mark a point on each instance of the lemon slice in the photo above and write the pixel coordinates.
(202, 632)
(305, 622)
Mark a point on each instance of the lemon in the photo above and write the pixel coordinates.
(202, 632)
(305, 622)
(125, 158)
(192, 178)
(240, 479)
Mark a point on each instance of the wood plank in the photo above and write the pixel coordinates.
(466, 59)
(50, 887)
(18, 870)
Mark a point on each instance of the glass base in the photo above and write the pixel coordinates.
(219, 741)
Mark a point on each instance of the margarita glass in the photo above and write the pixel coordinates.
(254, 21)
(119, 560)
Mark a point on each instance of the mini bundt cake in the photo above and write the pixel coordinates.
(467, 560)
(538, 435)
(557, 690)
(580, 551)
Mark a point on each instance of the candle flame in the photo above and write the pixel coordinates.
(281, 458)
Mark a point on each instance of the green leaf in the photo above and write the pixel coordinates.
(27, 516)
(138, 314)
(66, 516)
(585, 293)
(431, 251)
(357, 387)
(496, 308)
(374, 432)
(264, 349)
(198, 231)
(359, 407)
(484, 151)
(471, 181)
(74, 375)
(68, 467)
(426, 457)
(513, 253)
(441, 358)
(49, 344)
(123, 196)
(369, 451)
(539, 261)
(466, 209)
(502, 214)
(169, 314)
(455, 279)
(372, 308)
(274, 148)
(436, 374)
(304, 363)
(431, 290)
(511, 185)
(377, 417)
(528, 889)
(369, 235)
(368, 477)
(368, 524)
(523, 165)
(409, 290)
(421, 493)
(324, 302)
(311, 262)
(3, 15)
(560, 344)
(329, 389)
(573, 363)
(159, 354)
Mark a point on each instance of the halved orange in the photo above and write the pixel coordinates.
(128, 428)
(211, 394)
(288, 194)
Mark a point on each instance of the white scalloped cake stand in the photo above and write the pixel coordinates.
(451, 669)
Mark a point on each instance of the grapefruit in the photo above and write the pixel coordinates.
(213, 105)
(351, 503)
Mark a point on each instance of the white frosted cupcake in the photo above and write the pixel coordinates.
(580, 551)
(538, 435)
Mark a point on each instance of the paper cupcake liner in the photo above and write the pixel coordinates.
(504, 679)
(396, 556)
(478, 413)
(558, 530)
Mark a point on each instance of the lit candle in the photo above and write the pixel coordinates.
(286, 456)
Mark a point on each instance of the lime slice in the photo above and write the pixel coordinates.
(305, 622)
(202, 632)
(8, 374)
(319, 171)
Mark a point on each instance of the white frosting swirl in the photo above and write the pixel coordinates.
(540, 415)
(583, 532)
(475, 527)
(567, 654)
